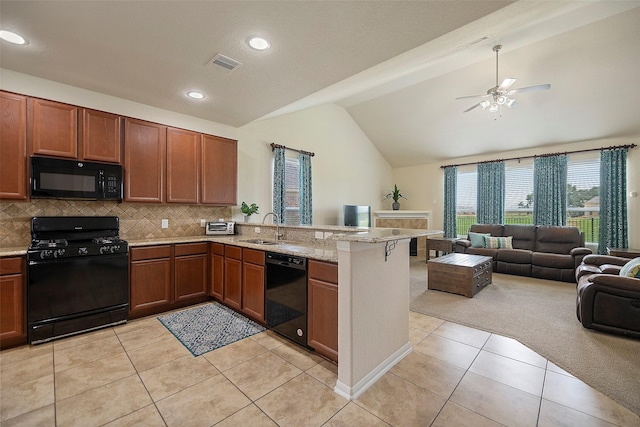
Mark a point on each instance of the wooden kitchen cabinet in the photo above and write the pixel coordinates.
(150, 280)
(101, 136)
(233, 277)
(190, 275)
(253, 284)
(323, 308)
(145, 147)
(216, 274)
(13, 319)
(183, 166)
(14, 178)
(52, 128)
(219, 176)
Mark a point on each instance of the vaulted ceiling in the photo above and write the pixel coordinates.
(396, 66)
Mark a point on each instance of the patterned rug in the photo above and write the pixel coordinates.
(207, 327)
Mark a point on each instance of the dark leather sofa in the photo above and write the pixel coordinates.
(605, 300)
(545, 252)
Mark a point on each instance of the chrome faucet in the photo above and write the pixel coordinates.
(278, 235)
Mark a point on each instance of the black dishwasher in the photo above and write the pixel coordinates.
(287, 296)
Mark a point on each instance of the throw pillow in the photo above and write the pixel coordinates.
(477, 239)
(631, 269)
(498, 242)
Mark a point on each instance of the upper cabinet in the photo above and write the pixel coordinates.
(219, 170)
(144, 161)
(53, 128)
(63, 130)
(13, 146)
(183, 166)
(101, 136)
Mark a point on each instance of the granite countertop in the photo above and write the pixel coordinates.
(13, 251)
(380, 235)
(325, 251)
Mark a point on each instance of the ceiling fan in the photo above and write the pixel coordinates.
(500, 94)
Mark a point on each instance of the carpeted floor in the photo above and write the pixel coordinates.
(206, 327)
(542, 315)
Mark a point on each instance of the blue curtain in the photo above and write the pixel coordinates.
(550, 190)
(278, 183)
(490, 206)
(450, 182)
(305, 189)
(613, 200)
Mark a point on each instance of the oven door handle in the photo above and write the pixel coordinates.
(101, 183)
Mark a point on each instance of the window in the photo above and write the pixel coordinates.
(518, 198)
(466, 199)
(583, 190)
(292, 191)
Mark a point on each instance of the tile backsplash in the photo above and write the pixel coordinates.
(137, 221)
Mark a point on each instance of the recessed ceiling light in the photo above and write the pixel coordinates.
(195, 95)
(258, 43)
(12, 37)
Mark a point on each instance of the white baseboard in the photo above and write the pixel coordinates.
(356, 391)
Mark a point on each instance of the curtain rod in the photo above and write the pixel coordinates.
(542, 155)
(274, 146)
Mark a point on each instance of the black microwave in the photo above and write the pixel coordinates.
(73, 179)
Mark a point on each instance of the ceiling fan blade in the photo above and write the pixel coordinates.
(530, 88)
(470, 96)
(506, 84)
(472, 107)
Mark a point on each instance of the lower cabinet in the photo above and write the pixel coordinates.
(216, 288)
(233, 277)
(253, 284)
(13, 320)
(165, 277)
(323, 308)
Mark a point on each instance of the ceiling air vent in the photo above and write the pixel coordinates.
(224, 63)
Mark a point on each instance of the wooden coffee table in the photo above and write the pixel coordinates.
(461, 274)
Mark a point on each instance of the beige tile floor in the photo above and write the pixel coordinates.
(139, 374)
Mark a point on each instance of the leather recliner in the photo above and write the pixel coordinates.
(605, 300)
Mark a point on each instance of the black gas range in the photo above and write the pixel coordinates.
(78, 276)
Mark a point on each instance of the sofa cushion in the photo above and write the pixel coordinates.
(498, 242)
(492, 229)
(483, 252)
(556, 239)
(551, 260)
(477, 239)
(514, 256)
(524, 236)
(631, 269)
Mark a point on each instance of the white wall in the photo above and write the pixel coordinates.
(425, 183)
(347, 168)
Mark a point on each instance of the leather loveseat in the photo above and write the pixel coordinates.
(605, 300)
(545, 252)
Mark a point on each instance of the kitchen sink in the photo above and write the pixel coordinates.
(260, 242)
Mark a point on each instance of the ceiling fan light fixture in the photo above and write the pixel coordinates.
(510, 102)
(494, 108)
(501, 99)
(484, 104)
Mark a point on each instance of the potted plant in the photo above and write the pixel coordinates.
(395, 195)
(248, 210)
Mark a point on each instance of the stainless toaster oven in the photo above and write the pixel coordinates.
(220, 227)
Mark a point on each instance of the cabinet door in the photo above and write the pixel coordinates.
(150, 287)
(190, 276)
(219, 170)
(323, 308)
(13, 146)
(217, 271)
(233, 283)
(145, 146)
(101, 136)
(253, 289)
(12, 319)
(183, 166)
(52, 128)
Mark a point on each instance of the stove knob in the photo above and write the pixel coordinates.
(82, 251)
(113, 249)
(104, 250)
